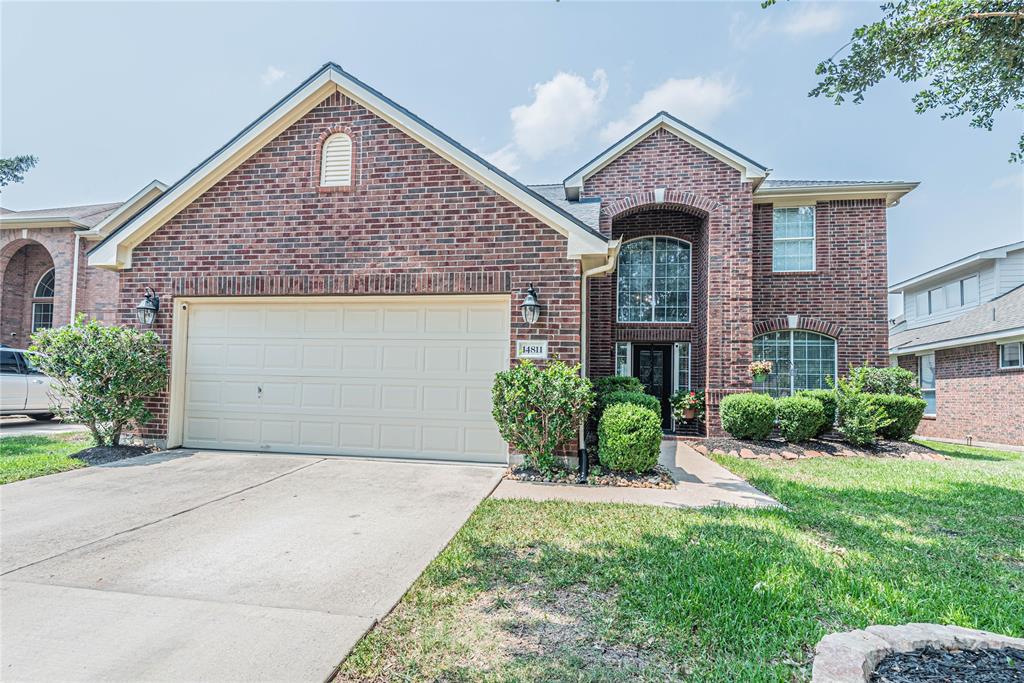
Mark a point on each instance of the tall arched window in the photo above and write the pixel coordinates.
(654, 281)
(336, 161)
(800, 360)
(42, 302)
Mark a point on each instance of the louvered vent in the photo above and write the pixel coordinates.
(336, 161)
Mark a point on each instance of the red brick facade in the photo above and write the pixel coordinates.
(973, 397)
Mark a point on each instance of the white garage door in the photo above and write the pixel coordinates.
(404, 377)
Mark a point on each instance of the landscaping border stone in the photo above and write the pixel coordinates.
(776, 449)
(852, 656)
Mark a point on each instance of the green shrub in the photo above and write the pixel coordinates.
(905, 413)
(637, 398)
(858, 418)
(827, 399)
(607, 385)
(748, 416)
(629, 438)
(538, 410)
(102, 374)
(799, 417)
(891, 380)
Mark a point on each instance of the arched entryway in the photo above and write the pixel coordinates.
(29, 283)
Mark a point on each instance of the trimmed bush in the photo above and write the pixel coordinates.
(747, 416)
(827, 399)
(607, 385)
(904, 411)
(858, 419)
(637, 398)
(629, 438)
(887, 381)
(799, 417)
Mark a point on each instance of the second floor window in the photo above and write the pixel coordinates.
(654, 281)
(952, 295)
(793, 239)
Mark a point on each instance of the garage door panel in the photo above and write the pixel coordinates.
(407, 379)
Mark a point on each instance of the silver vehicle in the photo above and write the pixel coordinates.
(24, 389)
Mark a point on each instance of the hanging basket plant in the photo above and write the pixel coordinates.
(760, 369)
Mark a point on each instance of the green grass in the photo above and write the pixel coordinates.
(571, 592)
(24, 457)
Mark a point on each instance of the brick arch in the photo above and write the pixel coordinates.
(802, 323)
(317, 155)
(685, 201)
(22, 263)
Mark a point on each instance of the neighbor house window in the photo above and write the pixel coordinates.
(42, 302)
(654, 281)
(1011, 355)
(336, 161)
(793, 239)
(801, 360)
(952, 295)
(682, 363)
(926, 378)
(623, 359)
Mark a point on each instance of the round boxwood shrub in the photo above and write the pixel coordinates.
(827, 399)
(904, 411)
(606, 385)
(637, 398)
(629, 438)
(747, 416)
(799, 417)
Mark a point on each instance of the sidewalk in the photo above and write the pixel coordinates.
(699, 483)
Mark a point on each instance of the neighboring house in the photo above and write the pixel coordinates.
(342, 277)
(46, 281)
(962, 333)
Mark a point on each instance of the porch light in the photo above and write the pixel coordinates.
(145, 312)
(531, 307)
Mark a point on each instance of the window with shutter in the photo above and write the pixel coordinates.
(336, 161)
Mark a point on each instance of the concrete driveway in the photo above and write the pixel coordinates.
(17, 425)
(209, 566)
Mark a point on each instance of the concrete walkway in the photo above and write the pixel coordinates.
(699, 483)
(212, 566)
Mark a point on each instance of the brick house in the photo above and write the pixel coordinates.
(43, 253)
(342, 277)
(962, 333)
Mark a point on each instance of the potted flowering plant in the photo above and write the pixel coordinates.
(760, 369)
(688, 404)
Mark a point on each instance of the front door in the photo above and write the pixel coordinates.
(652, 365)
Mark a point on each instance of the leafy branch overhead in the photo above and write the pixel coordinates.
(13, 169)
(969, 54)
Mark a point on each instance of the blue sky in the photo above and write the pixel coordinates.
(110, 96)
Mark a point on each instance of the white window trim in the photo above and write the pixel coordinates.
(654, 279)
(792, 353)
(813, 239)
(935, 372)
(629, 358)
(999, 351)
(43, 300)
(960, 306)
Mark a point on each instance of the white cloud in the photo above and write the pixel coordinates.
(698, 101)
(506, 158)
(1013, 181)
(563, 109)
(272, 75)
(812, 20)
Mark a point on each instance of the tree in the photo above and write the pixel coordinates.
(102, 374)
(970, 52)
(13, 170)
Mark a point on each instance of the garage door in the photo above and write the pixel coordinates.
(405, 377)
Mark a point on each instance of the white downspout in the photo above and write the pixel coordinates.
(613, 255)
(74, 278)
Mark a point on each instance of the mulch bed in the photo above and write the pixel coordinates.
(658, 478)
(778, 449)
(992, 665)
(101, 455)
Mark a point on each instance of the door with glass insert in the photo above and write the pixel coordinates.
(652, 365)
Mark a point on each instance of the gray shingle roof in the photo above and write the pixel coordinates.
(87, 214)
(1005, 312)
(588, 211)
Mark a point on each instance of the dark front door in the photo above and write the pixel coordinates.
(652, 365)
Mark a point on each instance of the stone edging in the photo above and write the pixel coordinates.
(851, 657)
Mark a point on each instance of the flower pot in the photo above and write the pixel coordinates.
(761, 377)
(689, 413)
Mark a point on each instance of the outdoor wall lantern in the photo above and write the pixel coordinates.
(147, 308)
(531, 307)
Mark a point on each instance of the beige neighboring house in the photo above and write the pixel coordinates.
(44, 270)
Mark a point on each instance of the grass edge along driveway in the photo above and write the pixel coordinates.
(25, 457)
(573, 592)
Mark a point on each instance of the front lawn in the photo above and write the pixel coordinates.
(589, 592)
(24, 457)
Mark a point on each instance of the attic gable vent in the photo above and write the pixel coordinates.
(336, 161)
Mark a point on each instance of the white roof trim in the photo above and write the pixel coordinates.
(1008, 335)
(126, 210)
(115, 251)
(892, 193)
(747, 167)
(988, 254)
(12, 221)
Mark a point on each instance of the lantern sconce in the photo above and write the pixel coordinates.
(145, 312)
(531, 307)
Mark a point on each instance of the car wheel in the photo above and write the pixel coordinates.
(42, 417)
